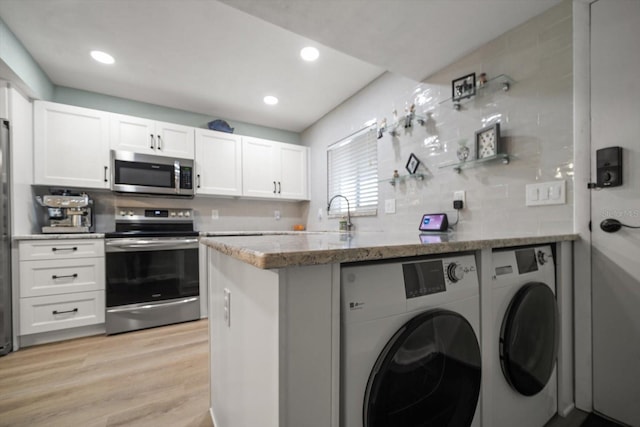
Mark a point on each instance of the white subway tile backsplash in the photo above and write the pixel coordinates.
(536, 123)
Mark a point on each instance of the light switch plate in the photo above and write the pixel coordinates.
(546, 193)
(390, 206)
(215, 214)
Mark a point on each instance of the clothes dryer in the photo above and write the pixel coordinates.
(526, 319)
(409, 349)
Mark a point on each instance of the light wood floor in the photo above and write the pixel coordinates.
(156, 377)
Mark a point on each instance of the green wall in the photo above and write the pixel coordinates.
(81, 98)
(21, 64)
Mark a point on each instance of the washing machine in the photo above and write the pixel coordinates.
(525, 331)
(410, 354)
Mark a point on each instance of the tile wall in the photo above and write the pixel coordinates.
(536, 124)
(233, 214)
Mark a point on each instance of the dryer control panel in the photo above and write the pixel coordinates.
(429, 277)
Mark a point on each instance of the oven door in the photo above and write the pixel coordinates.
(151, 269)
(151, 282)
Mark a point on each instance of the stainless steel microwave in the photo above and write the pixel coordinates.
(149, 174)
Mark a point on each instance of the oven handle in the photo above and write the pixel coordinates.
(151, 306)
(142, 244)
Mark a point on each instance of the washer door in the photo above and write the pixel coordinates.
(427, 375)
(529, 338)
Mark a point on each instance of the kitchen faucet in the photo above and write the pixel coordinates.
(349, 224)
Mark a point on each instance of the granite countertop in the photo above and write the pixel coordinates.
(58, 236)
(288, 249)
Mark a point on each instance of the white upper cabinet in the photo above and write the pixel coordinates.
(71, 146)
(146, 136)
(273, 169)
(218, 163)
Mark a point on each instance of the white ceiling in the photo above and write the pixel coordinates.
(221, 59)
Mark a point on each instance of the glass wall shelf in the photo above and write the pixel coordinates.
(473, 163)
(501, 82)
(403, 178)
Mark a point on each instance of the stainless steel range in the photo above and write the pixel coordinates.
(152, 270)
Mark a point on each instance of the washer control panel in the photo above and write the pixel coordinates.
(439, 275)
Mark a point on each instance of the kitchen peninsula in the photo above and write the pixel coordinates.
(274, 312)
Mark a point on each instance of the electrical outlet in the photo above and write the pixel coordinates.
(215, 214)
(276, 215)
(390, 206)
(227, 307)
(460, 195)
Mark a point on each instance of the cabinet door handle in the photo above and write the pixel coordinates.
(198, 178)
(279, 187)
(274, 187)
(106, 168)
(159, 142)
(152, 141)
(75, 248)
(73, 276)
(75, 310)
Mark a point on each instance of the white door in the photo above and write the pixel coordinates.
(615, 111)
(260, 167)
(294, 172)
(218, 163)
(71, 146)
(134, 134)
(175, 140)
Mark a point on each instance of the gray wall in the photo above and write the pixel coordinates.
(536, 121)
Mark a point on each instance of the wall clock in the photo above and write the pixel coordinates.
(488, 141)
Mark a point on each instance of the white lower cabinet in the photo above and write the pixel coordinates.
(62, 284)
(55, 312)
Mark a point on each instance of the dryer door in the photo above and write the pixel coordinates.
(427, 375)
(529, 338)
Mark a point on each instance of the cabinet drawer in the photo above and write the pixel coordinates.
(50, 313)
(60, 249)
(64, 276)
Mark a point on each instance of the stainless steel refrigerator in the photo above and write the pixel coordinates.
(6, 335)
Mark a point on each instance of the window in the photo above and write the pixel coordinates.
(352, 171)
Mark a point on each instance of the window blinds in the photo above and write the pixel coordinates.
(352, 171)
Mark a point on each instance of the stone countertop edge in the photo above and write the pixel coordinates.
(58, 236)
(272, 259)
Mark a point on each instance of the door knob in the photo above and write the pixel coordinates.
(611, 225)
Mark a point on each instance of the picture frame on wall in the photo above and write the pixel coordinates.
(412, 164)
(463, 87)
(488, 141)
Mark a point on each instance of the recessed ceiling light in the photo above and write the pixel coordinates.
(309, 53)
(102, 57)
(270, 100)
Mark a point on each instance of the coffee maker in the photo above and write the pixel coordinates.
(67, 212)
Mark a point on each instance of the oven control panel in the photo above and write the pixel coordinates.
(153, 214)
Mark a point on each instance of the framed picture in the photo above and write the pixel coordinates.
(412, 164)
(488, 141)
(463, 87)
